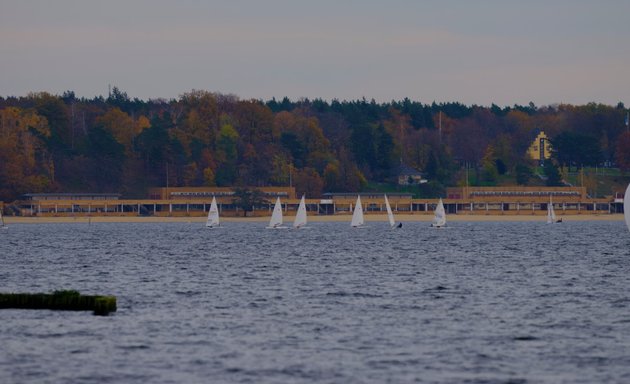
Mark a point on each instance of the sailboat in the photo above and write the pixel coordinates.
(2, 224)
(357, 215)
(300, 216)
(390, 215)
(276, 217)
(551, 214)
(626, 207)
(213, 215)
(439, 216)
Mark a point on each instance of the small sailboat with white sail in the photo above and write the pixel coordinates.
(439, 216)
(551, 214)
(300, 216)
(390, 215)
(213, 214)
(626, 207)
(276, 216)
(357, 215)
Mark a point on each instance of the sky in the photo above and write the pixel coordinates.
(480, 52)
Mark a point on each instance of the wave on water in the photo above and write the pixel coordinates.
(510, 302)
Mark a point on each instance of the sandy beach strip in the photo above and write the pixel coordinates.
(289, 219)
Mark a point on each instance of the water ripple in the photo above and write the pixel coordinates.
(477, 303)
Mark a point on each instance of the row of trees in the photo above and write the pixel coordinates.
(118, 144)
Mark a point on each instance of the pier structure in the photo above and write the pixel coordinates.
(182, 201)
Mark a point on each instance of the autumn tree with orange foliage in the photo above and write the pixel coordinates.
(25, 162)
(118, 144)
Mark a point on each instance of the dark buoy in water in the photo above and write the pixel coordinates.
(399, 225)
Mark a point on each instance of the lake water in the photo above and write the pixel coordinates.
(515, 302)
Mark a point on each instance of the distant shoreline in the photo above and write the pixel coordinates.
(333, 218)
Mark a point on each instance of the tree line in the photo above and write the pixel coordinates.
(62, 143)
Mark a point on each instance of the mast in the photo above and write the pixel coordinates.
(440, 127)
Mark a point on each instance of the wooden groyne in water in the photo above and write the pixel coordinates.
(59, 300)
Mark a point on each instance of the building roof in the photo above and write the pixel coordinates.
(405, 170)
(70, 196)
(373, 194)
(535, 132)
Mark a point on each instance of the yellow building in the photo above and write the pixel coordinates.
(540, 149)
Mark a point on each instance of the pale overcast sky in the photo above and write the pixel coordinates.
(473, 52)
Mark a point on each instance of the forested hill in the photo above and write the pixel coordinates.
(51, 143)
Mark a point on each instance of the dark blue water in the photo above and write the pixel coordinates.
(474, 303)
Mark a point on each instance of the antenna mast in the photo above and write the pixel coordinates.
(440, 127)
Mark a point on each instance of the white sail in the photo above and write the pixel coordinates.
(551, 214)
(2, 225)
(213, 214)
(300, 216)
(390, 214)
(276, 216)
(357, 215)
(626, 207)
(439, 215)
